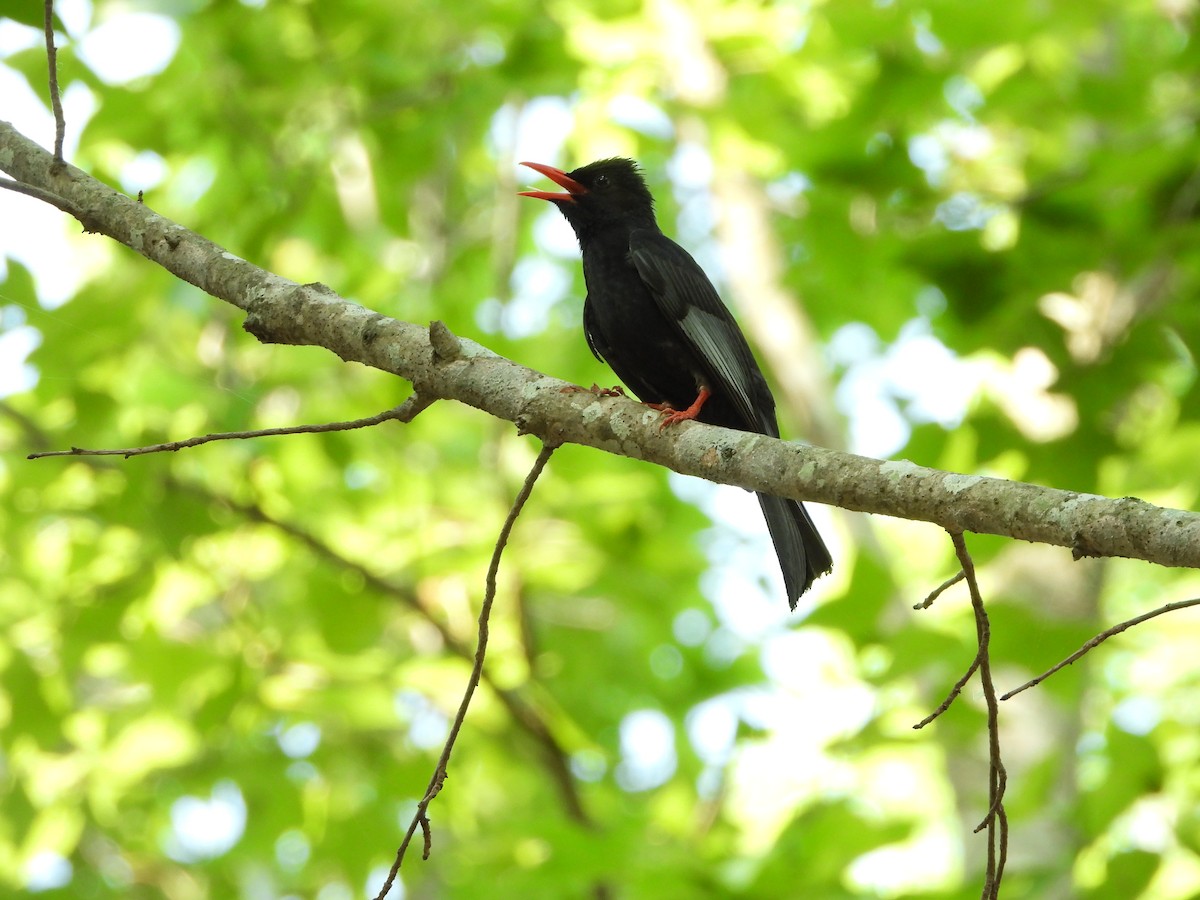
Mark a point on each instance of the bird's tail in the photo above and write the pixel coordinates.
(802, 554)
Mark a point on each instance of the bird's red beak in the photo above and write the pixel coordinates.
(559, 177)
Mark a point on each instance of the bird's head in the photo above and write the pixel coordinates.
(605, 193)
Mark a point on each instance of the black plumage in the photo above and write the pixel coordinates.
(652, 314)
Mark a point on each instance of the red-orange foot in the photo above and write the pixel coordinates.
(681, 415)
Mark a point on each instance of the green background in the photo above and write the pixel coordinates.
(271, 633)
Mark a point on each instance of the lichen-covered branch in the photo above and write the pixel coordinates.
(284, 312)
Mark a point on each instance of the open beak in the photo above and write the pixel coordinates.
(559, 177)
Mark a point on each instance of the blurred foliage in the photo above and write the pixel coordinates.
(228, 672)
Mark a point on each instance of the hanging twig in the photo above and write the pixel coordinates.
(996, 820)
(420, 817)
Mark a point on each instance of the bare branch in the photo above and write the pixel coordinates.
(420, 818)
(1100, 639)
(405, 412)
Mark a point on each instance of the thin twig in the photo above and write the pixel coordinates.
(60, 124)
(966, 676)
(405, 412)
(939, 590)
(996, 820)
(420, 817)
(1100, 639)
(954, 692)
(39, 194)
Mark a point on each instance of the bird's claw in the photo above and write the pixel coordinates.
(675, 415)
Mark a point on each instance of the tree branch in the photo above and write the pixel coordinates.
(284, 312)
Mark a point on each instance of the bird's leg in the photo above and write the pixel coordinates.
(615, 391)
(682, 415)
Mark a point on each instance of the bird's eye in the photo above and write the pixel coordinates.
(601, 181)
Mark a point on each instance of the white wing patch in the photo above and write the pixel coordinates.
(709, 335)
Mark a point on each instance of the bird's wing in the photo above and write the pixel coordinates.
(687, 298)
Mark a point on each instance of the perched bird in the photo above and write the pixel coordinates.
(655, 318)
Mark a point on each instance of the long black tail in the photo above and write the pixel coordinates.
(802, 554)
